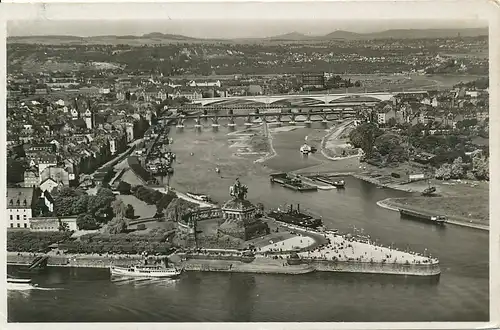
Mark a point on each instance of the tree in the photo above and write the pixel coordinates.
(124, 188)
(119, 208)
(363, 136)
(116, 226)
(457, 169)
(63, 226)
(100, 204)
(480, 167)
(386, 143)
(391, 122)
(86, 222)
(129, 212)
(444, 172)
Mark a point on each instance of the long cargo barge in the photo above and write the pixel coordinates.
(437, 219)
(292, 183)
(339, 184)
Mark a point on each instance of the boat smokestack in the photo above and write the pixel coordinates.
(298, 207)
(291, 208)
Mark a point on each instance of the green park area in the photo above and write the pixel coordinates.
(103, 221)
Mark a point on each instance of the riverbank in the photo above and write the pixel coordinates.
(395, 204)
(334, 142)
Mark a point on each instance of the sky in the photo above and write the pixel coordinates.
(224, 29)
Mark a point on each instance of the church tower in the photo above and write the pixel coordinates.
(89, 117)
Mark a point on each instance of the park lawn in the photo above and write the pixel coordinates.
(142, 210)
(462, 208)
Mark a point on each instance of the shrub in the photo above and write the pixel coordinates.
(124, 188)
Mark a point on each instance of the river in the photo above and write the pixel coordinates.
(460, 294)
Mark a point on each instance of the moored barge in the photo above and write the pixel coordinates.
(295, 217)
(437, 219)
(291, 182)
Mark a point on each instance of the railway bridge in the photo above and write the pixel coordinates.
(289, 117)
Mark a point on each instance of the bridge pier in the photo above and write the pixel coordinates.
(249, 121)
(197, 122)
(292, 120)
(215, 122)
(180, 124)
(231, 122)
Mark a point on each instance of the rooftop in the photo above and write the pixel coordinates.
(19, 198)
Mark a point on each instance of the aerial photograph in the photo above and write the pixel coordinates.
(247, 171)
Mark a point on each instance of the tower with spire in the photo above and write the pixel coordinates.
(89, 116)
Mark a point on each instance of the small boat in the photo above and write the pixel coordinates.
(145, 271)
(198, 197)
(305, 149)
(217, 170)
(339, 184)
(429, 191)
(19, 283)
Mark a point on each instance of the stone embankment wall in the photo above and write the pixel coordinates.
(240, 267)
(83, 261)
(376, 268)
(265, 266)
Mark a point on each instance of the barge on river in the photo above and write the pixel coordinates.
(296, 217)
(339, 184)
(291, 182)
(437, 219)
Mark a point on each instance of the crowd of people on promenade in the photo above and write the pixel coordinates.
(347, 248)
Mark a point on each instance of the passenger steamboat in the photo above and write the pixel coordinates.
(146, 271)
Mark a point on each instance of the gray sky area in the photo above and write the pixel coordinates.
(222, 29)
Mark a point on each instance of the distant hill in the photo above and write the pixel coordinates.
(429, 33)
(296, 36)
(342, 35)
(157, 37)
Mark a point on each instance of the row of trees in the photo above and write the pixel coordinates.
(27, 241)
(458, 169)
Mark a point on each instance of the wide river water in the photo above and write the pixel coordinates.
(460, 294)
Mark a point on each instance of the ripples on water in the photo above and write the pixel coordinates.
(461, 293)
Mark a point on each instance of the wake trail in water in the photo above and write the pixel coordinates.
(34, 288)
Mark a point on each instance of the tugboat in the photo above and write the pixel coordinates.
(199, 197)
(295, 217)
(305, 149)
(340, 184)
(429, 191)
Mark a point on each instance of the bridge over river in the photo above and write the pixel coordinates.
(289, 117)
(317, 98)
